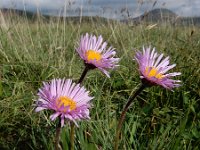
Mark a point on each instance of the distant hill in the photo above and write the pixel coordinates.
(188, 21)
(162, 15)
(155, 15)
(13, 13)
(159, 15)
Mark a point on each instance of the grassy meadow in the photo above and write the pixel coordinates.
(40, 50)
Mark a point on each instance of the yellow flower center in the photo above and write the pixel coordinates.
(153, 73)
(66, 102)
(93, 55)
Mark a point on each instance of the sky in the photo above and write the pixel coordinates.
(114, 9)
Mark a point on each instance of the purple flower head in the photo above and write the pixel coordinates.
(68, 100)
(153, 69)
(95, 54)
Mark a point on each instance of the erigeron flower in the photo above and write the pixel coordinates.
(95, 53)
(153, 69)
(69, 101)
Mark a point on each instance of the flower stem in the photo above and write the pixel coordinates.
(87, 68)
(72, 137)
(123, 114)
(57, 140)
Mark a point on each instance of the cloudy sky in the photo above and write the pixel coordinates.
(105, 8)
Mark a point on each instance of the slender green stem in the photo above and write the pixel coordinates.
(57, 140)
(72, 136)
(123, 114)
(1, 88)
(87, 68)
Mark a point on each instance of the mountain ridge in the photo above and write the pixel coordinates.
(158, 15)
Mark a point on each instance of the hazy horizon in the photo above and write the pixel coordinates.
(114, 9)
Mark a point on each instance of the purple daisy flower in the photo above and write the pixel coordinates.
(68, 100)
(95, 54)
(153, 69)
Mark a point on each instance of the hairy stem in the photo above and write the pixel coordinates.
(57, 140)
(72, 136)
(123, 114)
(84, 74)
